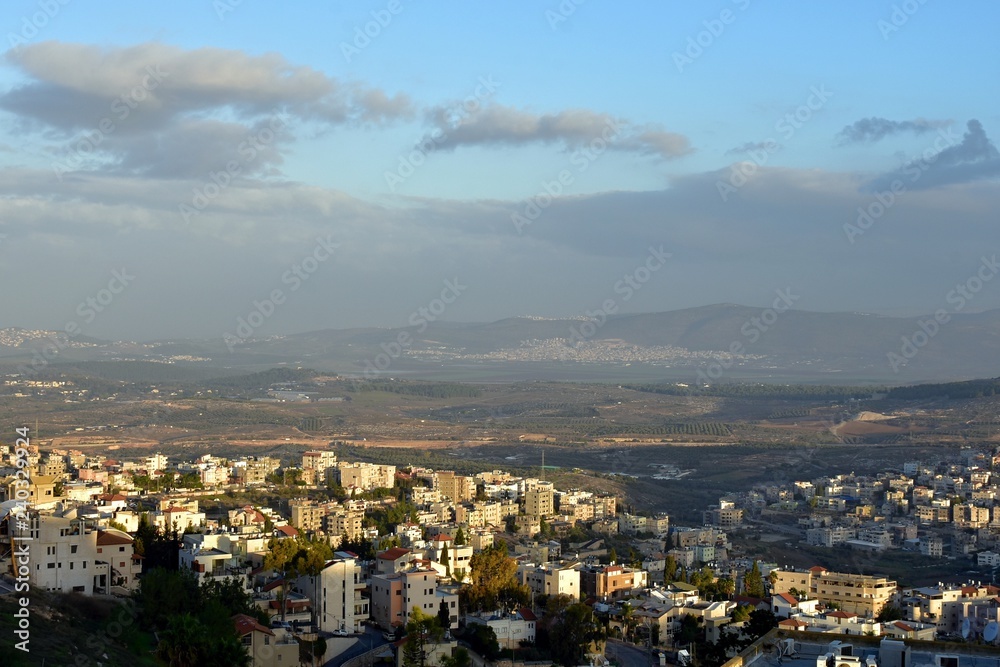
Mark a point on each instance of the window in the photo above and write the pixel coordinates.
(52, 566)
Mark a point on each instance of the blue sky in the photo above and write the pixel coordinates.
(875, 86)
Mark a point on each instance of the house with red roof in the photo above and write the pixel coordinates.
(117, 548)
(786, 605)
(266, 647)
(393, 560)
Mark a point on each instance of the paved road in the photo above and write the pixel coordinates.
(372, 638)
(626, 655)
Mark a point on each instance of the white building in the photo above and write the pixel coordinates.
(510, 629)
(336, 595)
(70, 554)
(551, 579)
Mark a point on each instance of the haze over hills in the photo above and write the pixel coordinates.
(722, 342)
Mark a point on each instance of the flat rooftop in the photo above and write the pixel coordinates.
(806, 653)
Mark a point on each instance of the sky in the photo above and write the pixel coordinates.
(170, 169)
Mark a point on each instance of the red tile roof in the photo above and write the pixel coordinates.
(792, 623)
(246, 624)
(105, 538)
(288, 530)
(790, 599)
(527, 614)
(817, 568)
(274, 584)
(394, 553)
(841, 614)
(903, 626)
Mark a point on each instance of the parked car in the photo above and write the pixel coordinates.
(340, 632)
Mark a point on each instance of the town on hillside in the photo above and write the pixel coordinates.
(349, 562)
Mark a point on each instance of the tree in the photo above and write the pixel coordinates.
(187, 642)
(629, 620)
(612, 556)
(753, 584)
(725, 586)
(573, 633)
(182, 643)
(669, 570)
(459, 537)
(888, 613)
(760, 623)
(444, 615)
(445, 560)
(279, 557)
(459, 658)
(420, 628)
(689, 629)
(494, 582)
(166, 594)
(741, 613)
(483, 640)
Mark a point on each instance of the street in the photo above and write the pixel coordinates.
(371, 638)
(626, 655)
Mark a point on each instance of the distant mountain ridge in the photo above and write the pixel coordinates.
(812, 345)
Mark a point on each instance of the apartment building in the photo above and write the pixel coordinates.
(320, 461)
(365, 476)
(611, 581)
(337, 595)
(457, 488)
(394, 596)
(540, 500)
(551, 578)
(854, 593)
(65, 556)
(345, 522)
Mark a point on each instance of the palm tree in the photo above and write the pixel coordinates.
(629, 620)
(181, 644)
